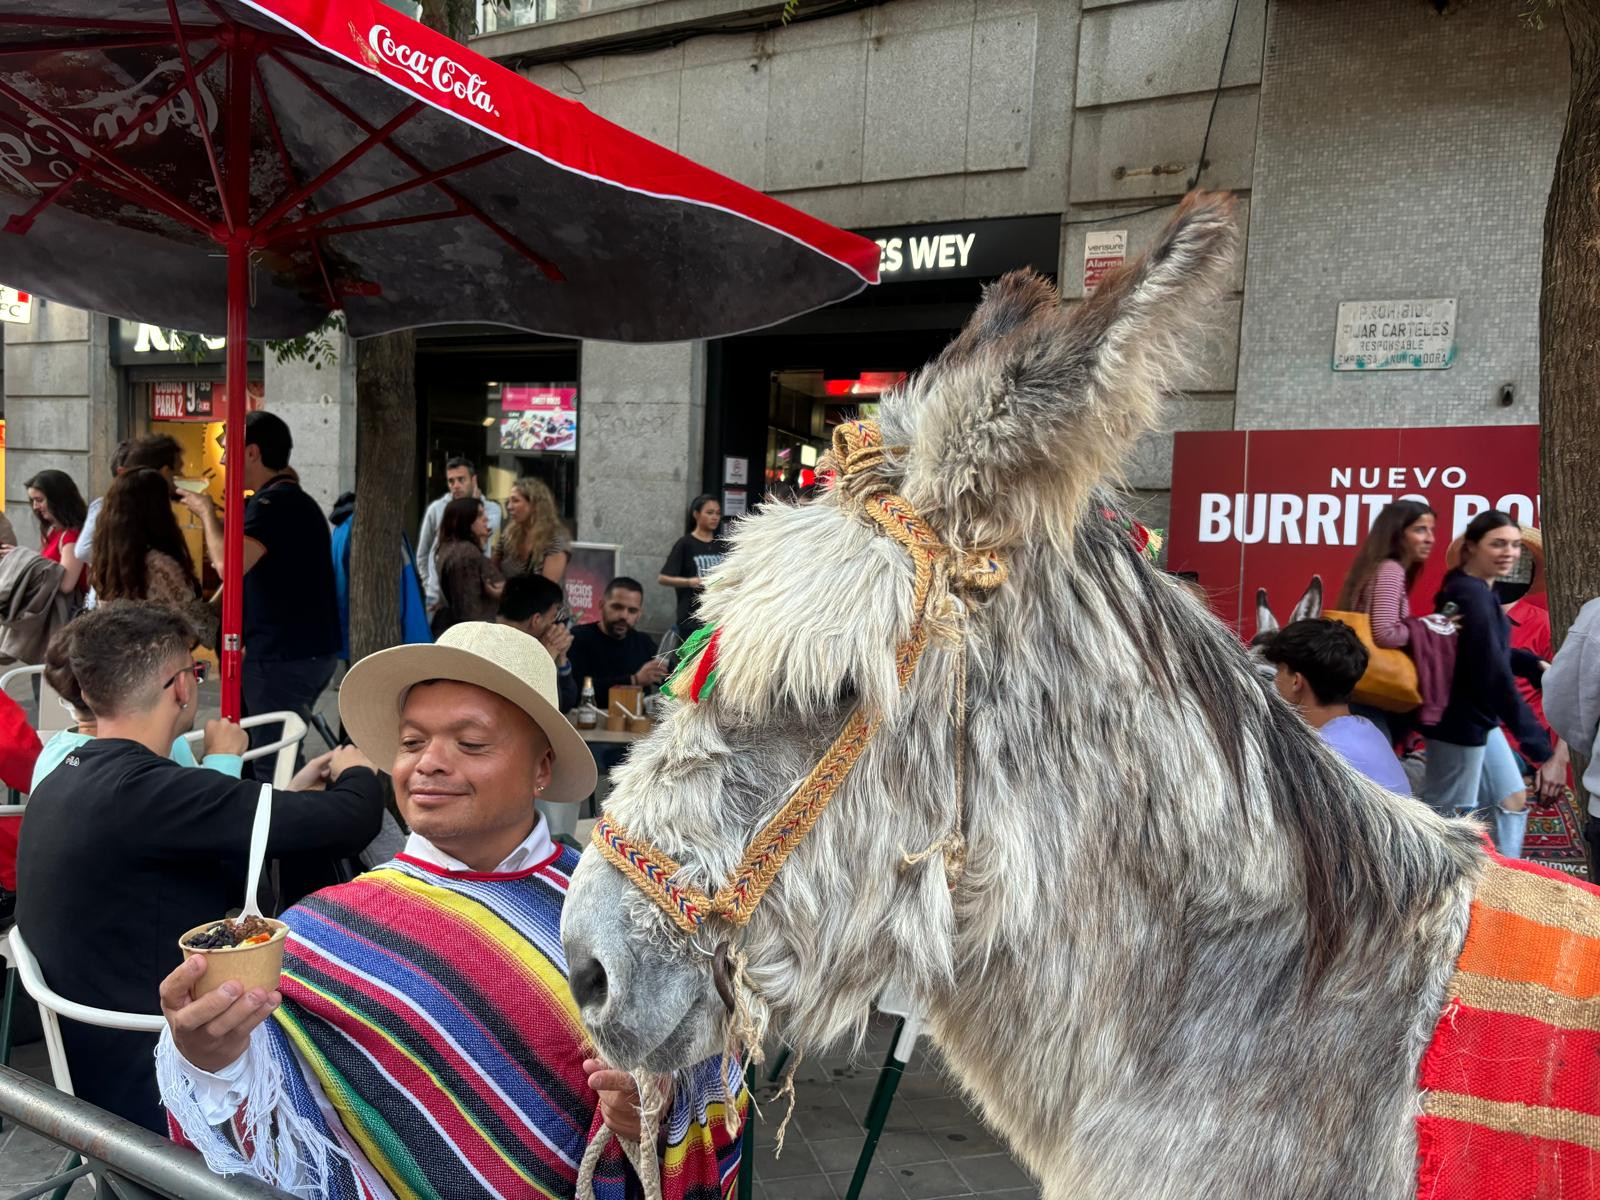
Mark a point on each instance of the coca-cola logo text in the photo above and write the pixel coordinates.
(41, 155)
(437, 71)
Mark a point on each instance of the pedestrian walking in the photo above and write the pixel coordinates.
(469, 585)
(291, 614)
(534, 540)
(157, 452)
(693, 557)
(1572, 704)
(59, 508)
(461, 482)
(1471, 766)
(140, 552)
(1386, 566)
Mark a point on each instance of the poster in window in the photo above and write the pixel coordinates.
(537, 418)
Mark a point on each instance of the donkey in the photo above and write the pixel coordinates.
(1179, 949)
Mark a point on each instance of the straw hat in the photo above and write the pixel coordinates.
(498, 659)
(1532, 545)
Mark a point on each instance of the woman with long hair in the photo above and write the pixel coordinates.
(534, 541)
(693, 556)
(469, 584)
(1470, 764)
(140, 554)
(1386, 565)
(59, 508)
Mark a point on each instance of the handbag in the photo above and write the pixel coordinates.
(1390, 681)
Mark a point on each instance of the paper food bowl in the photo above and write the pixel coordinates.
(257, 966)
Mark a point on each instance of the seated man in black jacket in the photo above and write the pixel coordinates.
(611, 651)
(124, 850)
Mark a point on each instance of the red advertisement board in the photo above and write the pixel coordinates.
(1272, 508)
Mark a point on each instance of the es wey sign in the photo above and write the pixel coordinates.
(1275, 507)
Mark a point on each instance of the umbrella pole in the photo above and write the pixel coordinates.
(237, 241)
(233, 482)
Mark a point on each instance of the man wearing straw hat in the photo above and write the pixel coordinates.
(423, 1040)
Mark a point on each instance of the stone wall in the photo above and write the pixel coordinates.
(60, 405)
(1401, 155)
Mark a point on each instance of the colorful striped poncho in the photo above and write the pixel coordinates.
(428, 1048)
(1511, 1109)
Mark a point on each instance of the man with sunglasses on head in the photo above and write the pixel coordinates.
(124, 850)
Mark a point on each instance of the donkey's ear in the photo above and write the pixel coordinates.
(1033, 405)
(1266, 623)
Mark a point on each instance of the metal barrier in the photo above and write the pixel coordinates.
(125, 1161)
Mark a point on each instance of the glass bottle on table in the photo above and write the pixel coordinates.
(586, 715)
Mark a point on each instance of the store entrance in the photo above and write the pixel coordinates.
(776, 399)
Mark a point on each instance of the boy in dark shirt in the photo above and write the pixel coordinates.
(611, 651)
(124, 850)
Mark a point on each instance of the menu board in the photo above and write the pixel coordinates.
(537, 418)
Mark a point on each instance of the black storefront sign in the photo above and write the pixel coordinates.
(967, 249)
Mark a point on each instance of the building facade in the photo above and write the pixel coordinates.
(1379, 150)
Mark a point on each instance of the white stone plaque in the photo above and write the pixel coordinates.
(1395, 335)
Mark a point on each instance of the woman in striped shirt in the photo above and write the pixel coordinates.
(1386, 566)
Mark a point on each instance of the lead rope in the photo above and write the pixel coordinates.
(953, 845)
(646, 1162)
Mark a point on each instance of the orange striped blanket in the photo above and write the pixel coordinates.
(1511, 1105)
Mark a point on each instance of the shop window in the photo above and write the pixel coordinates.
(803, 409)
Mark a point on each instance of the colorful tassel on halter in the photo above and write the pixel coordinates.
(1146, 541)
(696, 674)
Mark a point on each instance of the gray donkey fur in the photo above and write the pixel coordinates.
(1193, 954)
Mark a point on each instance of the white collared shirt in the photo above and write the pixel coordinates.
(530, 852)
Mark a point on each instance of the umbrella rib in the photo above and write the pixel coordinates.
(111, 41)
(376, 137)
(322, 216)
(546, 267)
(191, 77)
(79, 25)
(390, 222)
(289, 173)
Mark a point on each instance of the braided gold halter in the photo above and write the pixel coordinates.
(857, 446)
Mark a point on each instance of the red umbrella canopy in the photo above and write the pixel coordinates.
(393, 174)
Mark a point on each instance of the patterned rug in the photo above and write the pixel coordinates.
(1555, 836)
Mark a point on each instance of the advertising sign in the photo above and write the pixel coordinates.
(196, 400)
(1395, 335)
(1272, 508)
(538, 418)
(15, 307)
(979, 249)
(590, 568)
(1104, 250)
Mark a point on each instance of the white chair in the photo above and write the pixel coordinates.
(52, 1007)
(286, 747)
(53, 715)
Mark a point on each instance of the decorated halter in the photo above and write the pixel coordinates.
(857, 447)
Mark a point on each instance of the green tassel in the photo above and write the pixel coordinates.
(711, 682)
(688, 652)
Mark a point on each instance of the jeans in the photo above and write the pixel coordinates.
(283, 685)
(1463, 779)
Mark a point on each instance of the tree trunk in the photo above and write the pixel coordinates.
(1569, 337)
(386, 453)
(386, 443)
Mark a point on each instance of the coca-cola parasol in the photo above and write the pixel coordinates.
(392, 173)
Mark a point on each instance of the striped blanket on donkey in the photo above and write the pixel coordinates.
(428, 1048)
(1511, 1106)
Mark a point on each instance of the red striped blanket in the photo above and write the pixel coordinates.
(1511, 1109)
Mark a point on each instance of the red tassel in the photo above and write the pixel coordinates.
(703, 668)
